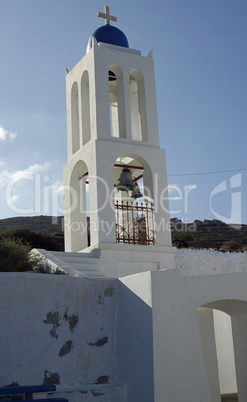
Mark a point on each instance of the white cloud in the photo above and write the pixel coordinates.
(12, 136)
(31, 170)
(34, 190)
(6, 176)
(15, 197)
(5, 134)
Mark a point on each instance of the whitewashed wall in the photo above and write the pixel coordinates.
(138, 336)
(57, 329)
(225, 352)
(208, 262)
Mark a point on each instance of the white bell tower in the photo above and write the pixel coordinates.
(112, 125)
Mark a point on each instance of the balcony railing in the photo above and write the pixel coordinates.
(135, 223)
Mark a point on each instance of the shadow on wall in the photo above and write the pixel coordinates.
(135, 345)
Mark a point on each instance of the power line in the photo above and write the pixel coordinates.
(207, 173)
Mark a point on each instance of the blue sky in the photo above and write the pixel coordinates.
(200, 64)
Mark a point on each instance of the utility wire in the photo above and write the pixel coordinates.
(207, 173)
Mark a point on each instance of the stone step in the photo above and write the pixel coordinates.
(66, 253)
(82, 266)
(89, 272)
(229, 398)
(95, 275)
(85, 270)
(74, 264)
(81, 263)
(75, 257)
(78, 261)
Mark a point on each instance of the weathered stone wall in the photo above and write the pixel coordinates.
(56, 329)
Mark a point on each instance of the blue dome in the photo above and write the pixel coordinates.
(109, 34)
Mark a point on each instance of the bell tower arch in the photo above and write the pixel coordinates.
(111, 112)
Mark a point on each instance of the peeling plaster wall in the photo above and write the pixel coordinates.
(56, 329)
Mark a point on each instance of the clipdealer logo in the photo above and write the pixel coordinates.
(234, 190)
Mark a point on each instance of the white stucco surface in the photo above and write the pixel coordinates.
(58, 329)
(176, 334)
(150, 336)
(225, 352)
(96, 156)
(208, 262)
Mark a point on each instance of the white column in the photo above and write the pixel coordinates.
(206, 327)
(102, 211)
(239, 330)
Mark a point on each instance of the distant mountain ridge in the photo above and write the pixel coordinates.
(42, 223)
(198, 234)
(213, 234)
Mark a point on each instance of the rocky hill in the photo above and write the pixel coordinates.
(42, 224)
(198, 234)
(39, 231)
(209, 234)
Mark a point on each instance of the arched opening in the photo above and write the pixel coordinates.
(116, 102)
(75, 118)
(79, 207)
(223, 331)
(138, 106)
(134, 206)
(85, 106)
(225, 352)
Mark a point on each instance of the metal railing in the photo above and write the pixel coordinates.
(135, 223)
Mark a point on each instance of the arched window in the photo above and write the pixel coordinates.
(116, 102)
(85, 105)
(77, 209)
(138, 106)
(75, 118)
(134, 207)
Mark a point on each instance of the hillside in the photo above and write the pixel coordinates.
(198, 234)
(209, 234)
(43, 224)
(44, 232)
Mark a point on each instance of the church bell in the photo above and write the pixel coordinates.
(136, 193)
(125, 181)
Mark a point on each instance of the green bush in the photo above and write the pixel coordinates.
(231, 245)
(19, 232)
(35, 239)
(182, 235)
(42, 240)
(15, 256)
(181, 239)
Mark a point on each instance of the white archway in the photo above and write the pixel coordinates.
(135, 218)
(76, 224)
(223, 331)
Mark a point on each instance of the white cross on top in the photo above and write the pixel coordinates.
(106, 16)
